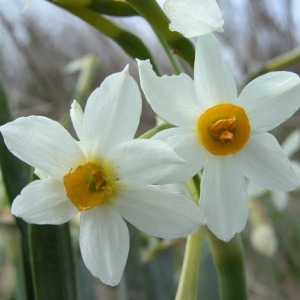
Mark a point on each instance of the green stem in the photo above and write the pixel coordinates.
(150, 133)
(151, 11)
(172, 58)
(188, 282)
(229, 261)
(278, 63)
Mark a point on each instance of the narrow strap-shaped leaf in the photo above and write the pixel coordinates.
(129, 42)
(15, 178)
(52, 262)
(106, 7)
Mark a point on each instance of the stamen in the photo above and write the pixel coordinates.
(226, 136)
(223, 129)
(100, 180)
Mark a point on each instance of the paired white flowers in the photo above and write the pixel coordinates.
(223, 134)
(108, 176)
(105, 176)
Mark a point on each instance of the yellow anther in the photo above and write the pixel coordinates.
(220, 124)
(100, 180)
(231, 123)
(226, 136)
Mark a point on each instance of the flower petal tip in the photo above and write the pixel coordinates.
(126, 70)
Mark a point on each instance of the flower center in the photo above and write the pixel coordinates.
(224, 129)
(89, 185)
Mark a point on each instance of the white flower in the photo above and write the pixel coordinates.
(194, 17)
(106, 176)
(224, 134)
(279, 198)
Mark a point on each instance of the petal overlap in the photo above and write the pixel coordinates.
(173, 97)
(186, 145)
(160, 213)
(145, 161)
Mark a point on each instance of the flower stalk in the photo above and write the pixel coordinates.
(229, 261)
(278, 63)
(188, 282)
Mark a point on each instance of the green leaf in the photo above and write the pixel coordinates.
(52, 262)
(129, 42)
(52, 274)
(106, 7)
(15, 178)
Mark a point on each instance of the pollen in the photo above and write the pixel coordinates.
(224, 129)
(90, 185)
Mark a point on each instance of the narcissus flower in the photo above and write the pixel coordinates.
(224, 134)
(194, 17)
(106, 176)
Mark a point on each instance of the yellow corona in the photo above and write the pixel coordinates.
(224, 129)
(89, 185)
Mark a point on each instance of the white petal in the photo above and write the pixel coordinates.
(280, 199)
(214, 83)
(186, 144)
(224, 197)
(173, 98)
(263, 161)
(76, 114)
(44, 202)
(296, 168)
(159, 212)
(43, 144)
(271, 99)
(292, 143)
(112, 113)
(254, 190)
(104, 243)
(194, 17)
(145, 161)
